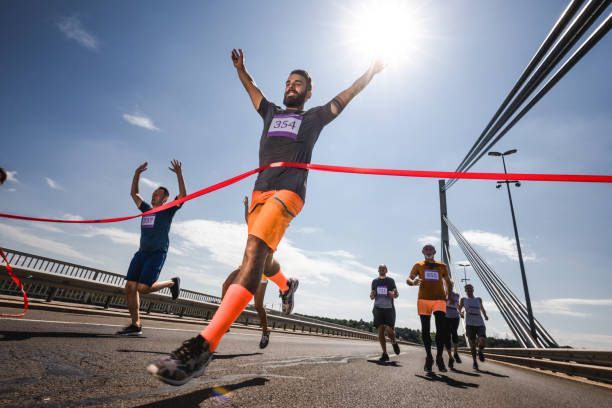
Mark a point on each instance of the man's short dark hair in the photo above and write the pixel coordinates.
(166, 192)
(2, 175)
(305, 74)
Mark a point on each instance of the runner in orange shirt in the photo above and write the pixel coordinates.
(288, 135)
(431, 276)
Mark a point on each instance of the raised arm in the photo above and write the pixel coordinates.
(176, 168)
(247, 81)
(134, 193)
(344, 97)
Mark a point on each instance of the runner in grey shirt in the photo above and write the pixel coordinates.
(474, 325)
(452, 320)
(383, 292)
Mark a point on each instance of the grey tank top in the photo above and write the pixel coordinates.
(472, 312)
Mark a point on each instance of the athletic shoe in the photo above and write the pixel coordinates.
(287, 297)
(396, 348)
(186, 362)
(384, 357)
(428, 363)
(481, 356)
(440, 364)
(457, 358)
(265, 339)
(131, 330)
(451, 363)
(475, 365)
(176, 288)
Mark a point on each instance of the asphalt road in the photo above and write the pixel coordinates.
(52, 359)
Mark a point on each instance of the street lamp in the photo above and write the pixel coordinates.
(464, 264)
(518, 242)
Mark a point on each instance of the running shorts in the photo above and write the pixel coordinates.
(146, 267)
(427, 307)
(475, 331)
(270, 214)
(384, 316)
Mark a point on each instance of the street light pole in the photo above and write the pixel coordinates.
(464, 264)
(518, 242)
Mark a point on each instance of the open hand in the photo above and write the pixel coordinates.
(238, 58)
(377, 65)
(141, 168)
(176, 166)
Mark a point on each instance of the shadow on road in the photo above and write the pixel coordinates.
(454, 370)
(493, 374)
(17, 336)
(195, 398)
(385, 363)
(448, 380)
(142, 351)
(229, 356)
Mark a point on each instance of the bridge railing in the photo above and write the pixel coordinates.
(591, 364)
(53, 279)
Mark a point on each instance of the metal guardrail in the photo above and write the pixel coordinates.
(592, 364)
(52, 279)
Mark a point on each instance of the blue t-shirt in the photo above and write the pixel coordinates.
(154, 228)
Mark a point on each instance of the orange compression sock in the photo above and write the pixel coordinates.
(236, 299)
(280, 280)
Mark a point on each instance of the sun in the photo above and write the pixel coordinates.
(389, 30)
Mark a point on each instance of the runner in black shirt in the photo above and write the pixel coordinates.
(288, 135)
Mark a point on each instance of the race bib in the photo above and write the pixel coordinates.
(148, 221)
(285, 125)
(381, 290)
(431, 275)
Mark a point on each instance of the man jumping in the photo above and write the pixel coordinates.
(147, 263)
(288, 135)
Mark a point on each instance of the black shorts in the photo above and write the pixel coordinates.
(475, 331)
(384, 316)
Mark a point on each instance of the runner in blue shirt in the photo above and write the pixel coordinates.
(147, 263)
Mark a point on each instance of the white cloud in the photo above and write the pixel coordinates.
(18, 234)
(73, 29)
(72, 217)
(497, 244)
(567, 306)
(11, 190)
(150, 183)
(225, 242)
(116, 235)
(53, 184)
(141, 120)
(308, 230)
(11, 176)
(47, 227)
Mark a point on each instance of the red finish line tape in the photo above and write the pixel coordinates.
(19, 284)
(341, 169)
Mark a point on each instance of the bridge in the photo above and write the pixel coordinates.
(64, 353)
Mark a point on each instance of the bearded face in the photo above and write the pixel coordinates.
(296, 91)
(294, 99)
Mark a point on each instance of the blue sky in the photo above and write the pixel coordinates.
(90, 90)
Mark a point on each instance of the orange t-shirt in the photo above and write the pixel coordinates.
(431, 275)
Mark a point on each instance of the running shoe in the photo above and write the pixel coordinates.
(481, 356)
(396, 348)
(265, 339)
(451, 363)
(428, 363)
(186, 362)
(457, 358)
(440, 364)
(131, 330)
(176, 288)
(475, 365)
(384, 357)
(287, 297)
